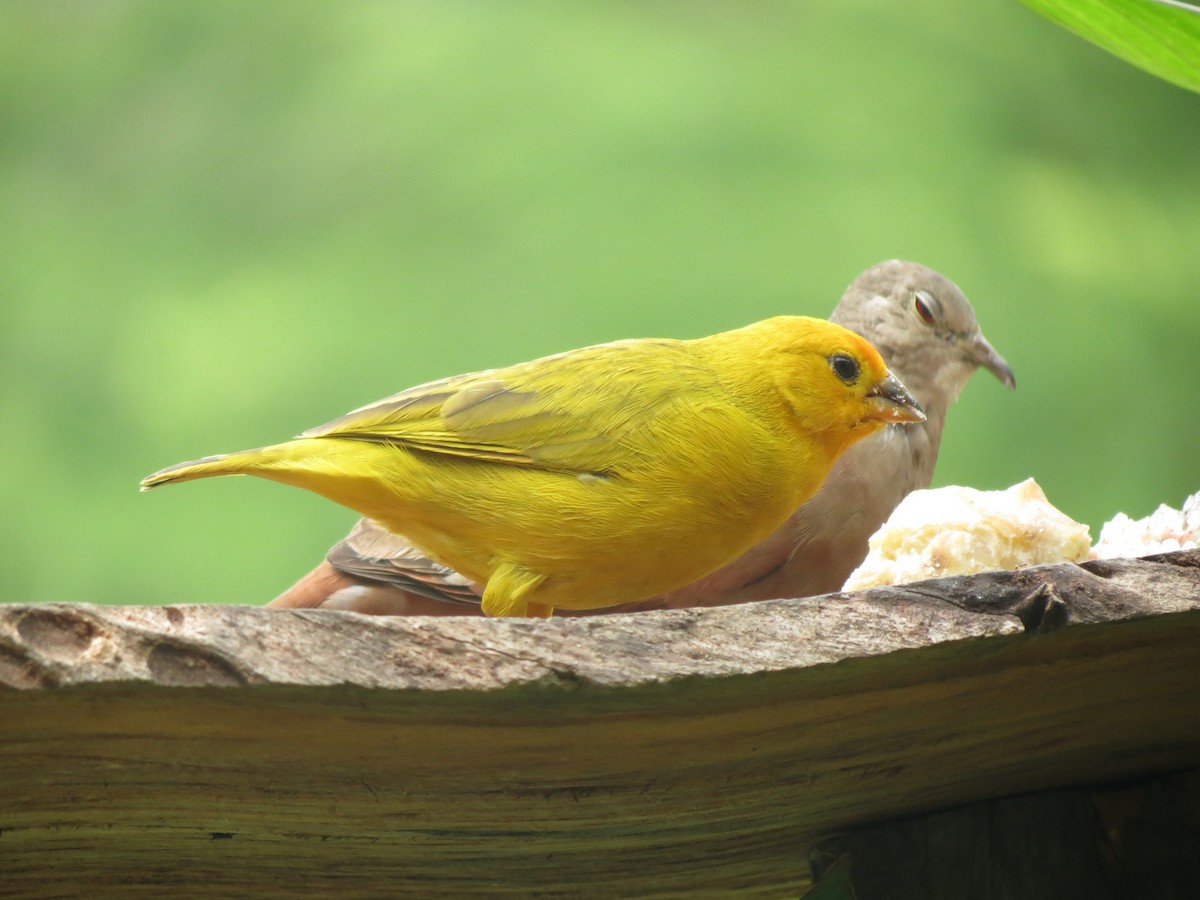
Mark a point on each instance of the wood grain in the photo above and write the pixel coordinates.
(222, 751)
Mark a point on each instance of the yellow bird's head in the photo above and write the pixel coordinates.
(834, 382)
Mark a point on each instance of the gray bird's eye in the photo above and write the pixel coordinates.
(844, 367)
(925, 307)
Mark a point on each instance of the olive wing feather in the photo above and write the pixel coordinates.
(573, 412)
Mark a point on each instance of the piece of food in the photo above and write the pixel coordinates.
(1162, 531)
(961, 531)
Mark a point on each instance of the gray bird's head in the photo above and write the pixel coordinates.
(925, 329)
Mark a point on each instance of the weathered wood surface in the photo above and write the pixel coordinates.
(219, 751)
(1132, 841)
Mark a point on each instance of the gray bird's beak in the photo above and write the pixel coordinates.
(980, 351)
(890, 401)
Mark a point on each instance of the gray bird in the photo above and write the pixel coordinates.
(926, 331)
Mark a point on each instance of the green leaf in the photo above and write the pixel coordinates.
(1160, 36)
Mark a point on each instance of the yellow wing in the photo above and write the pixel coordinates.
(571, 412)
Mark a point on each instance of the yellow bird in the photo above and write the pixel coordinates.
(602, 475)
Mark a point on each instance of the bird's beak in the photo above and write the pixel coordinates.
(890, 401)
(979, 351)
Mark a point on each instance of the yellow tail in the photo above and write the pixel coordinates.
(244, 462)
(359, 474)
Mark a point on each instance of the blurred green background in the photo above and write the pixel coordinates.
(224, 222)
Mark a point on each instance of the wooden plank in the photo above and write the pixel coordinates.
(221, 750)
(1135, 840)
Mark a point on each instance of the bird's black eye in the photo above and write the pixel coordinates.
(923, 303)
(844, 367)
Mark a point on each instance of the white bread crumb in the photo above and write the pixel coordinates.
(961, 531)
(1162, 531)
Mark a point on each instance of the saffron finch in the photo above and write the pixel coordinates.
(927, 332)
(599, 476)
